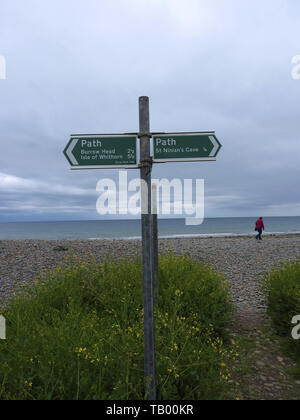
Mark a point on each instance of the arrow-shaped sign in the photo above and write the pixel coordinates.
(216, 148)
(102, 151)
(69, 152)
(185, 147)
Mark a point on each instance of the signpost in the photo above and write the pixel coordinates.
(120, 151)
(147, 248)
(186, 147)
(155, 243)
(102, 151)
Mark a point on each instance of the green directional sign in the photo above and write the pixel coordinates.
(185, 147)
(102, 151)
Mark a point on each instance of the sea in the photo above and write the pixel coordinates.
(131, 229)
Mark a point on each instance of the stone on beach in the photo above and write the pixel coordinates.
(242, 260)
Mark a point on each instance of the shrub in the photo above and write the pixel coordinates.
(283, 296)
(60, 248)
(78, 334)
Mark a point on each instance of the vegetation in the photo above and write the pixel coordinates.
(60, 248)
(78, 334)
(283, 295)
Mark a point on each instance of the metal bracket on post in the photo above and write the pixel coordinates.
(145, 134)
(146, 163)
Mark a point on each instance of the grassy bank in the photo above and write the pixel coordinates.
(283, 295)
(78, 334)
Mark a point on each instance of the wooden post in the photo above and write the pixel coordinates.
(155, 243)
(146, 167)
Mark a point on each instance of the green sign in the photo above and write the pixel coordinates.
(186, 147)
(102, 151)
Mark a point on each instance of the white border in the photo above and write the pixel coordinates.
(185, 160)
(188, 133)
(77, 168)
(74, 136)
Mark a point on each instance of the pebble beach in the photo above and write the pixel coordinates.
(262, 371)
(243, 260)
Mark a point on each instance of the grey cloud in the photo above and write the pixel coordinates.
(79, 66)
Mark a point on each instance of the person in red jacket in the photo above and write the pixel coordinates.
(259, 228)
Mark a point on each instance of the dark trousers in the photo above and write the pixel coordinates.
(258, 236)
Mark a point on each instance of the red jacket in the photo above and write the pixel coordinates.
(260, 224)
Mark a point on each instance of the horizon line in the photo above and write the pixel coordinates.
(128, 220)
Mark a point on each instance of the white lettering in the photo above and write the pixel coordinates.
(296, 330)
(91, 143)
(189, 207)
(296, 69)
(2, 328)
(172, 409)
(165, 142)
(165, 185)
(128, 411)
(107, 202)
(175, 198)
(2, 67)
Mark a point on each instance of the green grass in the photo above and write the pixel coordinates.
(78, 334)
(282, 288)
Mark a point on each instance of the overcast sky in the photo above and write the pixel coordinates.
(79, 66)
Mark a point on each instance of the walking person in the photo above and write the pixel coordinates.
(259, 227)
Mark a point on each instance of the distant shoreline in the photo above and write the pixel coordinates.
(166, 237)
(131, 229)
(199, 236)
